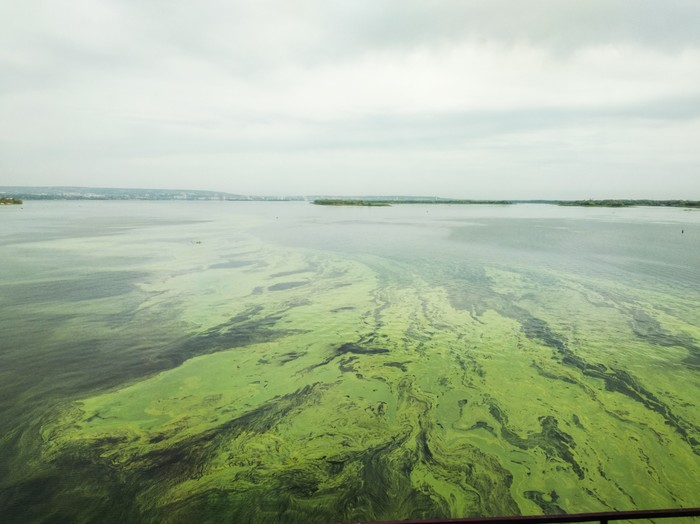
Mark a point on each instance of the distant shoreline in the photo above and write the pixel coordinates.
(16, 195)
(630, 203)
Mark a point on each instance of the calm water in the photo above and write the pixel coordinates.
(284, 362)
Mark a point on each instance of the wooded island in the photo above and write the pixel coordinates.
(389, 202)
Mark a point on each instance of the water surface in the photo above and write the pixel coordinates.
(283, 362)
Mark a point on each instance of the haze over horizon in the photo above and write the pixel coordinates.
(464, 99)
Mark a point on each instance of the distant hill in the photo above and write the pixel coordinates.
(96, 193)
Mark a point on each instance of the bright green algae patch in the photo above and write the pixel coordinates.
(331, 389)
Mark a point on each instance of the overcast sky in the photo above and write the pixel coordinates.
(455, 98)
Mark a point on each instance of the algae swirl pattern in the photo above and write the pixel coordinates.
(319, 388)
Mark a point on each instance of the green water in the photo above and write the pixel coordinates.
(282, 362)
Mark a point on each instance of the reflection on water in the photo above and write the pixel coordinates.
(264, 362)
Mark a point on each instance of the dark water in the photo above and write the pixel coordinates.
(488, 361)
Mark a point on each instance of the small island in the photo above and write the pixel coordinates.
(349, 202)
(389, 202)
(5, 201)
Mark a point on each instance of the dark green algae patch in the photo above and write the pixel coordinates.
(369, 393)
